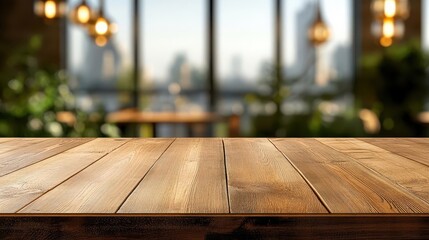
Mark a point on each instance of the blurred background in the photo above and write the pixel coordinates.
(214, 68)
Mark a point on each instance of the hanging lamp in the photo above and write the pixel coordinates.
(82, 13)
(49, 9)
(100, 28)
(398, 9)
(319, 32)
(388, 23)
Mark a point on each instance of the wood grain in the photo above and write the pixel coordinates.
(188, 178)
(102, 187)
(8, 144)
(411, 175)
(3, 140)
(415, 149)
(261, 180)
(214, 176)
(13, 160)
(21, 187)
(344, 185)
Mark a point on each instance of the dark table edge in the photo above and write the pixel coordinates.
(214, 226)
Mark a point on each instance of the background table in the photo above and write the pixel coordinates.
(130, 117)
(216, 187)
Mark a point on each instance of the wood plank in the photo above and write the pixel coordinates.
(343, 184)
(416, 150)
(188, 178)
(103, 186)
(9, 144)
(261, 180)
(422, 141)
(411, 175)
(19, 158)
(23, 186)
(398, 144)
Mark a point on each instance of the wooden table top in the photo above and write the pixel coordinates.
(214, 176)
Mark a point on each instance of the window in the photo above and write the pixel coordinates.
(245, 42)
(173, 56)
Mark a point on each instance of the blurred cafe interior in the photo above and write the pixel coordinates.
(214, 68)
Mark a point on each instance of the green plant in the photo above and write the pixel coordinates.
(394, 83)
(311, 123)
(32, 95)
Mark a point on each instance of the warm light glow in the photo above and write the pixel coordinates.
(386, 42)
(50, 9)
(83, 14)
(390, 8)
(101, 41)
(39, 8)
(101, 26)
(114, 27)
(370, 121)
(377, 6)
(388, 28)
(319, 33)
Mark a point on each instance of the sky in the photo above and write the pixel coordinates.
(245, 32)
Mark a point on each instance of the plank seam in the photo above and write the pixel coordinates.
(397, 153)
(114, 149)
(138, 183)
(305, 179)
(226, 176)
(65, 150)
(375, 172)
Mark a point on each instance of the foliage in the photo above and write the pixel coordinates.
(31, 97)
(311, 123)
(394, 83)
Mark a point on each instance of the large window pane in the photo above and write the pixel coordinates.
(245, 47)
(245, 41)
(173, 55)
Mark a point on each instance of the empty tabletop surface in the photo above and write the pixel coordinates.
(214, 176)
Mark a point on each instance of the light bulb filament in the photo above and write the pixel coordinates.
(388, 28)
(390, 8)
(50, 9)
(83, 14)
(101, 26)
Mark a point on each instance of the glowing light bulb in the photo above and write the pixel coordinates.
(114, 28)
(388, 28)
(386, 42)
(101, 41)
(50, 9)
(101, 26)
(83, 14)
(321, 33)
(390, 8)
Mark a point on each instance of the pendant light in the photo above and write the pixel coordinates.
(390, 9)
(100, 28)
(49, 9)
(388, 23)
(319, 32)
(81, 14)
